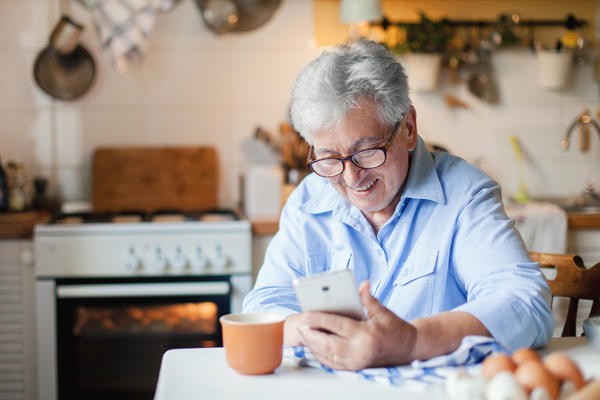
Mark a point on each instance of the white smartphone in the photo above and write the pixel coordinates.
(333, 291)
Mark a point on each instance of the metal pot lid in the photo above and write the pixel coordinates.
(254, 13)
(64, 76)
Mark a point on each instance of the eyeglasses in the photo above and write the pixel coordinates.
(373, 157)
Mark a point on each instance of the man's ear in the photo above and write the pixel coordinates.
(411, 127)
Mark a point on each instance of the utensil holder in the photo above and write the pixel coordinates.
(554, 69)
(423, 71)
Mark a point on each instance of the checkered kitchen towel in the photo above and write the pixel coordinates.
(419, 374)
(123, 26)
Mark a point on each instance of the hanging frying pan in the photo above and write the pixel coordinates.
(223, 16)
(64, 69)
(254, 13)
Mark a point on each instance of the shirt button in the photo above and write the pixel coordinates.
(380, 252)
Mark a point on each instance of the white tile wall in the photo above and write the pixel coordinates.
(195, 87)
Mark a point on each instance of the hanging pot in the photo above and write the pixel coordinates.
(64, 69)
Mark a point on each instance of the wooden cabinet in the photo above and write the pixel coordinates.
(17, 319)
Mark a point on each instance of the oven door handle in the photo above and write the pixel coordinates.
(143, 289)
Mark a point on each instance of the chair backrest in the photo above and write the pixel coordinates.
(573, 280)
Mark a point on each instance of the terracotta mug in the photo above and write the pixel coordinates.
(253, 342)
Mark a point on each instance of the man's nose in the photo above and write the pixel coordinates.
(351, 173)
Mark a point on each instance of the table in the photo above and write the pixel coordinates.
(204, 374)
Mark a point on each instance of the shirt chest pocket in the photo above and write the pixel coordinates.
(417, 266)
(412, 296)
(328, 260)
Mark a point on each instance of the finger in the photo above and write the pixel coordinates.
(336, 324)
(324, 347)
(372, 305)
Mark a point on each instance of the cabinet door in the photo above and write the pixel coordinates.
(17, 355)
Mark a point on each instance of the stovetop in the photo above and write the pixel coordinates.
(163, 243)
(133, 216)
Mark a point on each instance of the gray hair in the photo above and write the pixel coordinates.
(332, 84)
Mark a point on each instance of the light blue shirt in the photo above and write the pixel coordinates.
(448, 246)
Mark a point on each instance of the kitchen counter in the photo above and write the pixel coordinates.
(576, 221)
(19, 225)
(203, 373)
(584, 220)
(265, 226)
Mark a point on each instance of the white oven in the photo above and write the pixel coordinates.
(113, 297)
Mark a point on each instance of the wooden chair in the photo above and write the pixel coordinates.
(573, 280)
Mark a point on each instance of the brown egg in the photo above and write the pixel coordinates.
(532, 374)
(562, 367)
(495, 363)
(523, 355)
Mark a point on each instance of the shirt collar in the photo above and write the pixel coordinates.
(422, 183)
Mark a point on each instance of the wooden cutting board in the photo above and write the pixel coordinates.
(154, 178)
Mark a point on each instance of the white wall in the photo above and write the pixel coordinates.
(195, 87)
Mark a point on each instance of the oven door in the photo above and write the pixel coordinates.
(111, 335)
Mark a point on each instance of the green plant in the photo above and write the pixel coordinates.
(426, 36)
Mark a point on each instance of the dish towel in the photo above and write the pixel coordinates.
(542, 225)
(123, 26)
(419, 374)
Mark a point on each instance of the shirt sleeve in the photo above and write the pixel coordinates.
(284, 261)
(505, 290)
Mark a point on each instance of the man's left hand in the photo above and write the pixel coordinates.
(344, 343)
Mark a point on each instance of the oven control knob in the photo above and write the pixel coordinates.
(200, 260)
(160, 261)
(221, 261)
(133, 261)
(179, 261)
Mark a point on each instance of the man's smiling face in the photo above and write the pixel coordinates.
(375, 190)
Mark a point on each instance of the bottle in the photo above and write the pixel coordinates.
(3, 190)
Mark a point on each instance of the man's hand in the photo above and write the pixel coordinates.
(291, 336)
(383, 339)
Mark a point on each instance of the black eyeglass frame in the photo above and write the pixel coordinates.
(350, 157)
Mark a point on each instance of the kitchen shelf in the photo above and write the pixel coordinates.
(571, 22)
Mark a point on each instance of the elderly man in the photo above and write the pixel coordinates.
(424, 232)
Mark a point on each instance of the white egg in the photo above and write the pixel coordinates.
(539, 393)
(567, 389)
(466, 387)
(504, 386)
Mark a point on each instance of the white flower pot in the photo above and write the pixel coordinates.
(423, 70)
(554, 68)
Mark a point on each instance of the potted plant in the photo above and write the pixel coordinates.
(422, 50)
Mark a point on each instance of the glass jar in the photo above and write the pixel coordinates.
(19, 190)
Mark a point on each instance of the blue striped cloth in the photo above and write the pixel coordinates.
(419, 374)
